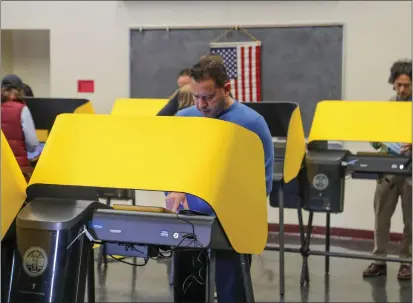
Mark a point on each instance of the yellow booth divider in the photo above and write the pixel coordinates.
(362, 121)
(295, 147)
(13, 187)
(42, 134)
(138, 107)
(220, 162)
(45, 111)
(86, 108)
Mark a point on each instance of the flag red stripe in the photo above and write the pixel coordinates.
(250, 73)
(236, 89)
(258, 71)
(242, 74)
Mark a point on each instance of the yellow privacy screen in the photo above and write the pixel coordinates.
(220, 162)
(295, 146)
(362, 121)
(138, 107)
(13, 187)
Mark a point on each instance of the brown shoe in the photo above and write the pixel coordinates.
(375, 270)
(405, 272)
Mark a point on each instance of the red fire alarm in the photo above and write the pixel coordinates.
(85, 86)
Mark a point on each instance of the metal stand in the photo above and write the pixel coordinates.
(246, 278)
(305, 246)
(281, 238)
(306, 252)
(91, 276)
(210, 277)
(328, 232)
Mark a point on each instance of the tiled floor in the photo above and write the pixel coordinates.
(123, 283)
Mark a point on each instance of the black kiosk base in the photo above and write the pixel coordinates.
(53, 255)
(48, 264)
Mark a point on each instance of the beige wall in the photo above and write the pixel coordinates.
(90, 40)
(26, 53)
(6, 53)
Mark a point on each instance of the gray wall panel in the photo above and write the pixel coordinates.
(301, 64)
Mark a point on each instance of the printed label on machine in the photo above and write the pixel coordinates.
(35, 261)
(320, 182)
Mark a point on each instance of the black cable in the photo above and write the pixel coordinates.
(132, 264)
(196, 245)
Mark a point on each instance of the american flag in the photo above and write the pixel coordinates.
(243, 63)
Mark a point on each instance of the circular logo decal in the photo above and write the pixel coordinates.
(35, 261)
(175, 235)
(320, 182)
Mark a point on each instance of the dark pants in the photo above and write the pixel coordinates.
(190, 276)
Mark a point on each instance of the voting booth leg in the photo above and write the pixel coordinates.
(102, 257)
(210, 278)
(328, 234)
(91, 276)
(305, 251)
(246, 278)
(281, 238)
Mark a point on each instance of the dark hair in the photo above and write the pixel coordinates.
(213, 57)
(184, 72)
(401, 67)
(12, 81)
(206, 69)
(27, 90)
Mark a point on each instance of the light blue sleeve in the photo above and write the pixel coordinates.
(260, 127)
(29, 130)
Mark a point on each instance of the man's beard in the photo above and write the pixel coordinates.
(404, 98)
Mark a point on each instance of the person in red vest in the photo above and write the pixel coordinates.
(17, 122)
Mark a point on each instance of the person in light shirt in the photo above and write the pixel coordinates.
(391, 187)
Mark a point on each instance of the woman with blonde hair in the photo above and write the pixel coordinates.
(180, 99)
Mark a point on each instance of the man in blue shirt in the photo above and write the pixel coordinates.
(211, 89)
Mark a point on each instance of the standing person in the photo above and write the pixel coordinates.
(172, 107)
(391, 187)
(211, 91)
(183, 78)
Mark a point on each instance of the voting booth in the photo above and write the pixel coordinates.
(326, 170)
(138, 106)
(284, 122)
(57, 231)
(45, 111)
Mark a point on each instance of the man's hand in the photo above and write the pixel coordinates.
(176, 199)
(406, 148)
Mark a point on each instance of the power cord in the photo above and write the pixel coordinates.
(193, 245)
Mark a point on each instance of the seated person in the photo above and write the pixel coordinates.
(211, 92)
(28, 92)
(18, 126)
